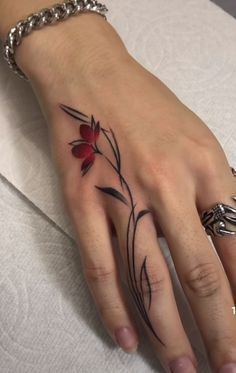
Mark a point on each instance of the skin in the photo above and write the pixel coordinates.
(169, 159)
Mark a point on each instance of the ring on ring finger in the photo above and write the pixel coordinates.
(220, 220)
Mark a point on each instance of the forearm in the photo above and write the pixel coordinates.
(40, 51)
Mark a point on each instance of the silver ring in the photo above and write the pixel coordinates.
(220, 220)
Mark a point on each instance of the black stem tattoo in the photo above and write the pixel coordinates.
(86, 148)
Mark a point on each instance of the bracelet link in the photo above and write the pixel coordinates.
(58, 11)
(72, 6)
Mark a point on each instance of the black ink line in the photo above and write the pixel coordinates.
(140, 279)
(93, 122)
(117, 149)
(118, 155)
(114, 151)
(148, 282)
(141, 213)
(72, 109)
(74, 113)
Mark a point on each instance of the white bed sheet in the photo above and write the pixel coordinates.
(47, 319)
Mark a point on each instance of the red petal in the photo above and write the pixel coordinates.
(87, 163)
(96, 131)
(87, 133)
(82, 150)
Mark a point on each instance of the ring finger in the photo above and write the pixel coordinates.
(201, 274)
(225, 244)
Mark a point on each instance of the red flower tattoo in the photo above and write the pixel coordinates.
(85, 147)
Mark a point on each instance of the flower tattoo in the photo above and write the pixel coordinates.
(86, 148)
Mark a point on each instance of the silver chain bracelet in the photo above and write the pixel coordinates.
(46, 16)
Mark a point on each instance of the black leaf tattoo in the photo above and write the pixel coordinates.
(113, 192)
(145, 279)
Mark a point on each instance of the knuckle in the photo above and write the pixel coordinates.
(206, 163)
(155, 174)
(78, 199)
(71, 192)
(203, 280)
(218, 345)
(99, 274)
(109, 310)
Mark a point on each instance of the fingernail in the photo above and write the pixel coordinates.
(126, 339)
(228, 368)
(182, 365)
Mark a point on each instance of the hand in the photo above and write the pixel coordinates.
(134, 159)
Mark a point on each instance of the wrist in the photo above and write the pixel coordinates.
(86, 41)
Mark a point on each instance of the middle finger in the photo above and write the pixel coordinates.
(150, 284)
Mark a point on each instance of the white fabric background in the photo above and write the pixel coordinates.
(48, 322)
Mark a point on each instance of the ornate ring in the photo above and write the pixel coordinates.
(220, 220)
